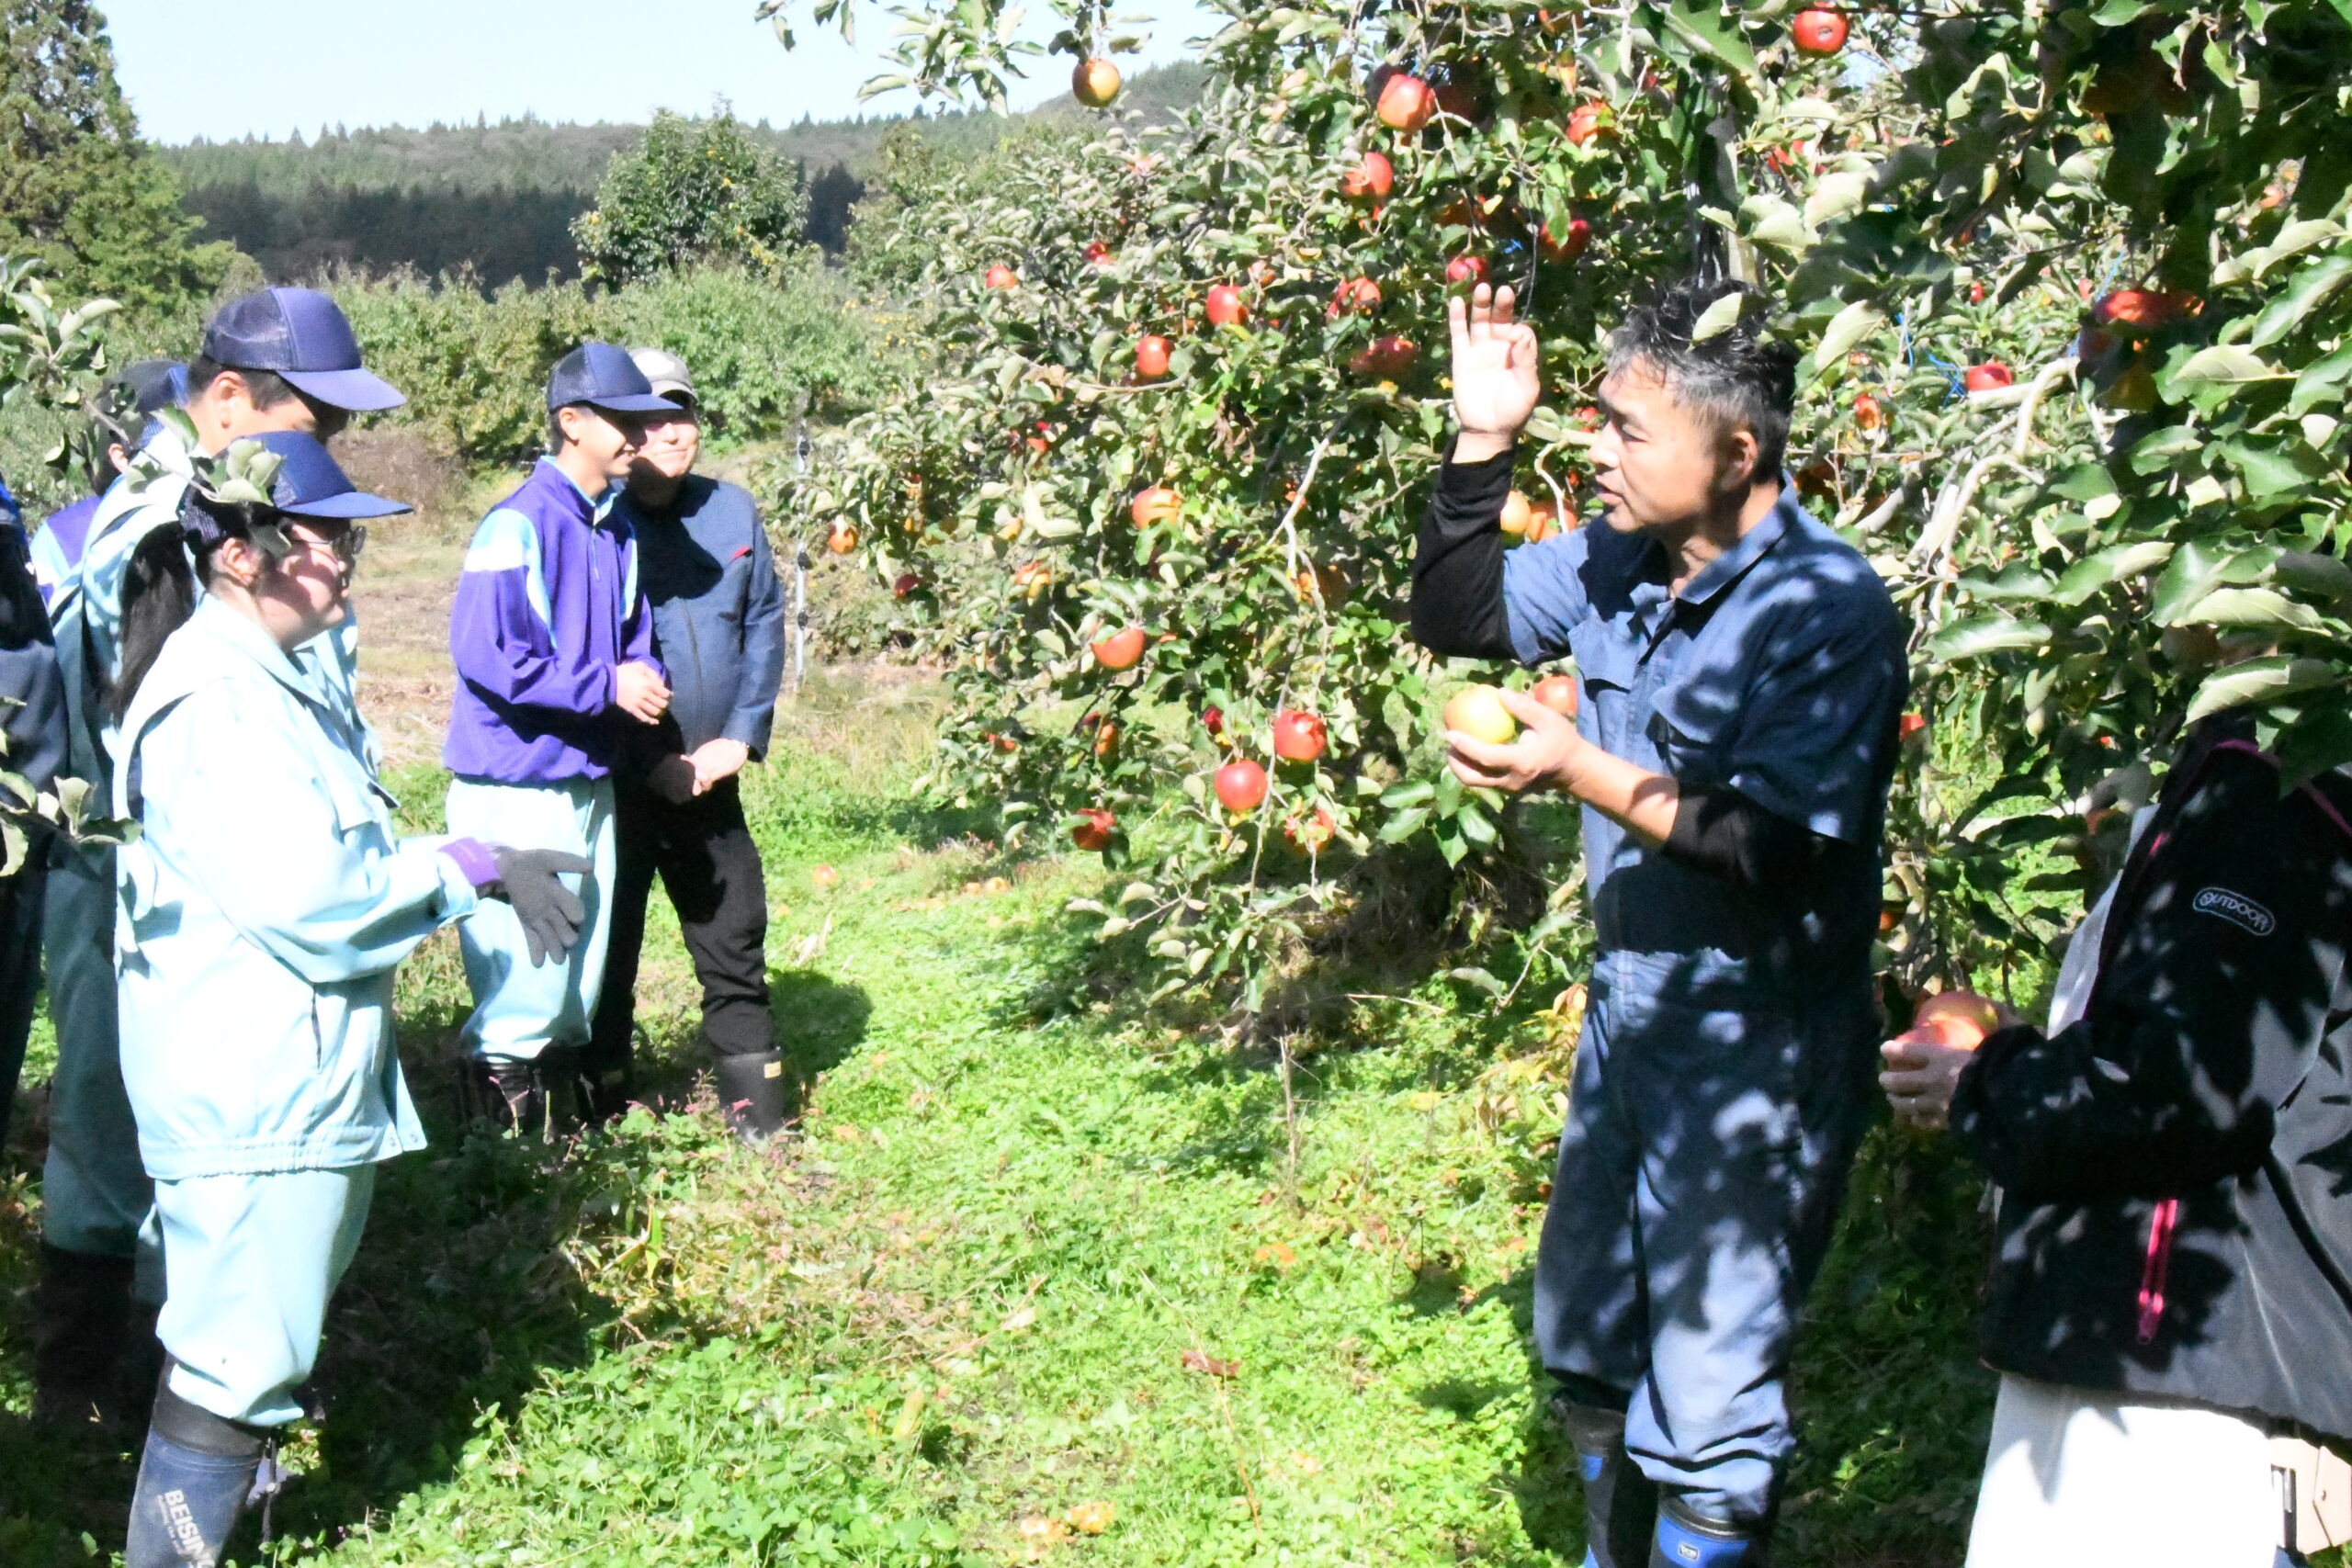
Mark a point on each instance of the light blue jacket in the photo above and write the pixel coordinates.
(262, 910)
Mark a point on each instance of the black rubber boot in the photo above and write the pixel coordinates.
(511, 1097)
(1620, 1502)
(1688, 1539)
(751, 1094)
(196, 1475)
(84, 1322)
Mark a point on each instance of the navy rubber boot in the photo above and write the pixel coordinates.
(1620, 1502)
(195, 1476)
(1686, 1540)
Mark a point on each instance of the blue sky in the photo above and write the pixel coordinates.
(358, 63)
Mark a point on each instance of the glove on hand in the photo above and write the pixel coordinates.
(550, 912)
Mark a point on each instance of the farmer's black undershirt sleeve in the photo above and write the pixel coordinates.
(1458, 564)
(1721, 832)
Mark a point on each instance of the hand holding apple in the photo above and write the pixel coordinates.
(1547, 752)
(1923, 1064)
(1496, 378)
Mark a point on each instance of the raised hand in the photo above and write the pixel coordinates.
(1496, 382)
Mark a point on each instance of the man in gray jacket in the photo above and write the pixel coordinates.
(718, 620)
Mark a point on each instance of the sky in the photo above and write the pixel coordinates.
(354, 63)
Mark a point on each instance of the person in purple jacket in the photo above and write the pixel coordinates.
(554, 649)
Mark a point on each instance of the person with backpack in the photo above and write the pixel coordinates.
(282, 359)
(553, 644)
(718, 623)
(264, 907)
(1741, 674)
(2172, 1270)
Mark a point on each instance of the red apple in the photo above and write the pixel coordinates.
(1151, 356)
(1405, 103)
(1954, 1018)
(1001, 276)
(1093, 829)
(1212, 719)
(1308, 835)
(1569, 245)
(1120, 649)
(1226, 306)
(1819, 31)
(906, 583)
(1910, 725)
(1360, 295)
(2141, 309)
(1299, 736)
(1990, 376)
(1240, 785)
(1158, 504)
(1370, 180)
(1094, 82)
(1100, 254)
(1868, 413)
(842, 540)
(1466, 269)
(1587, 120)
(1387, 358)
(1557, 692)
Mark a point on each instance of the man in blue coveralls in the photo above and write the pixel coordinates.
(1742, 674)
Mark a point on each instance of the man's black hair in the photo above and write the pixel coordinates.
(267, 388)
(1739, 376)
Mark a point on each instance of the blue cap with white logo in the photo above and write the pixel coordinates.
(603, 377)
(303, 336)
(310, 483)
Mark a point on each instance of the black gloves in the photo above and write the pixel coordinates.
(550, 912)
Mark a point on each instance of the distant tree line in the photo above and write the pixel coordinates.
(501, 200)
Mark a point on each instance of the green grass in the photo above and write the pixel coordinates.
(1026, 1257)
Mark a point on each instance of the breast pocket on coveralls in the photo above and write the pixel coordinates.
(1606, 664)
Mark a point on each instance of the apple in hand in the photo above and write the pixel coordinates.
(1478, 711)
(1961, 1019)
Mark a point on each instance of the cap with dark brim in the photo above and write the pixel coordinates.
(360, 391)
(626, 402)
(351, 505)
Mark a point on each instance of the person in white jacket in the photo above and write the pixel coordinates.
(261, 913)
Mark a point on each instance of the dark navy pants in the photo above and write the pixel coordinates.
(1711, 1127)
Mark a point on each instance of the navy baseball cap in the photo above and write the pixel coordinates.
(303, 336)
(310, 483)
(603, 377)
(155, 385)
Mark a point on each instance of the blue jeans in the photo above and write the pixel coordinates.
(1708, 1140)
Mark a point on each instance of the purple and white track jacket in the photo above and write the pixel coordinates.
(547, 608)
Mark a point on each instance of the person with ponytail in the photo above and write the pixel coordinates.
(260, 915)
(282, 359)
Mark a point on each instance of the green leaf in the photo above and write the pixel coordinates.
(2113, 564)
(2261, 679)
(2257, 607)
(2226, 364)
(1404, 825)
(2308, 288)
(1718, 317)
(1846, 328)
(1412, 792)
(1703, 25)
(1981, 635)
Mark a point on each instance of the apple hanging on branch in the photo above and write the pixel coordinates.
(1240, 786)
(1120, 650)
(1094, 82)
(1299, 736)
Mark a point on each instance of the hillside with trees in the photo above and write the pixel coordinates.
(499, 198)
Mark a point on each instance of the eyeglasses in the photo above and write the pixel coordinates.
(346, 544)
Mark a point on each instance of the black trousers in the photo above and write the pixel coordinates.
(709, 866)
(20, 906)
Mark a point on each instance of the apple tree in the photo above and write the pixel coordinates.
(2072, 340)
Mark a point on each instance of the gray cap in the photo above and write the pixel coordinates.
(668, 374)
